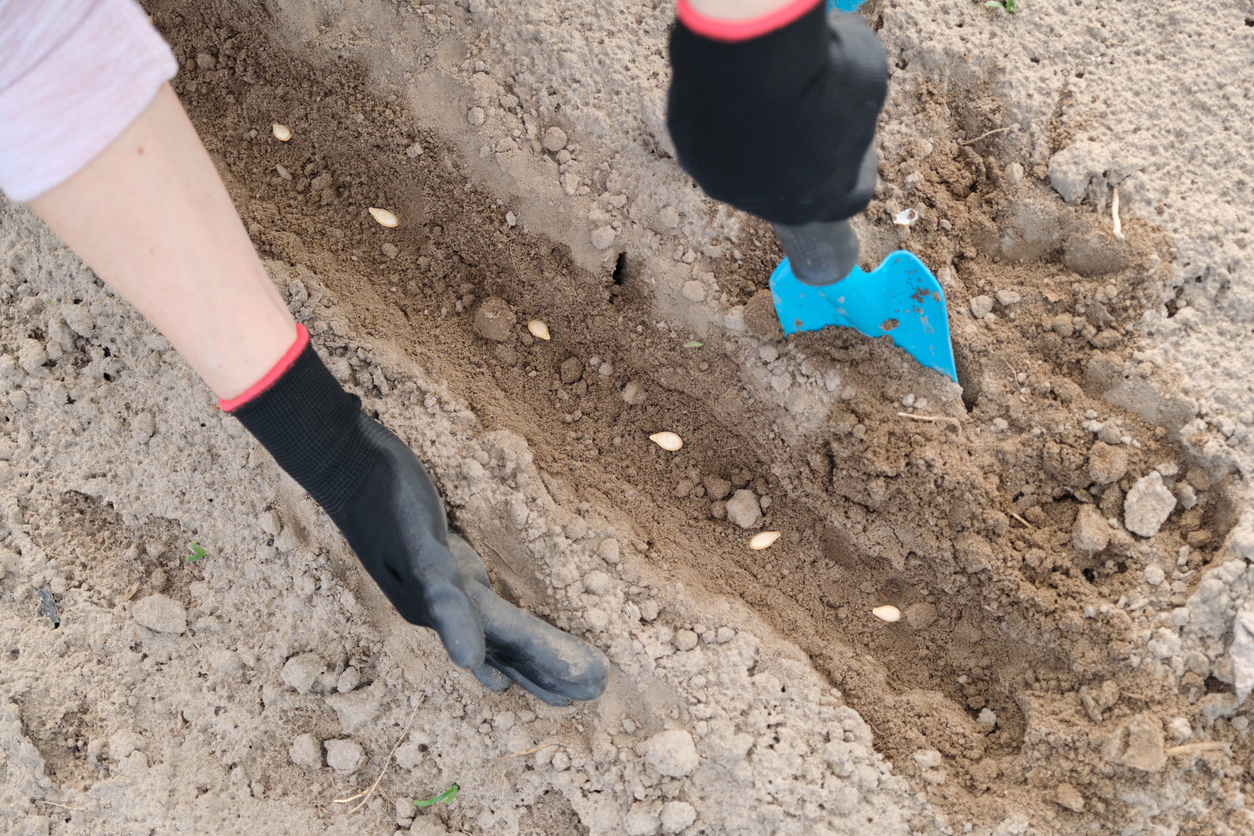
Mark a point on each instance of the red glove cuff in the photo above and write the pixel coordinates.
(732, 32)
(285, 363)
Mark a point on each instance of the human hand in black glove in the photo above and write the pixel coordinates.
(379, 495)
(372, 486)
(553, 665)
(777, 117)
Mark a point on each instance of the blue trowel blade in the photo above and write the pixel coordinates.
(900, 298)
(843, 5)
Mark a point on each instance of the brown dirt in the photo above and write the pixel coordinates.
(968, 531)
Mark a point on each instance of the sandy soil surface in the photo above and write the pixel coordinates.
(1066, 533)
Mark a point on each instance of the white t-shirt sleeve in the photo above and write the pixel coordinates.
(73, 75)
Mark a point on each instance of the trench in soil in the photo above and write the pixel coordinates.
(968, 532)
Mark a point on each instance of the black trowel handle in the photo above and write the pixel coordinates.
(820, 253)
(824, 252)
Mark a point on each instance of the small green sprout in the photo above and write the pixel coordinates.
(446, 796)
(693, 344)
(1008, 6)
(195, 553)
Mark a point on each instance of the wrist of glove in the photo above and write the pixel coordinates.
(379, 495)
(781, 125)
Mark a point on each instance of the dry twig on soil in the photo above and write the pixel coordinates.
(1022, 520)
(1114, 214)
(936, 419)
(1198, 748)
(986, 135)
(364, 795)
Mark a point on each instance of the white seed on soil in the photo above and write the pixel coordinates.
(763, 540)
(538, 329)
(887, 613)
(384, 217)
(667, 441)
(281, 132)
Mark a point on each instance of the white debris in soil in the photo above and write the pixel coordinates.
(1243, 654)
(1148, 505)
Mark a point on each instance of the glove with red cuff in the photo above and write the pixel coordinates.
(379, 495)
(776, 116)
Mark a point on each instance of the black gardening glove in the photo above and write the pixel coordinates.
(781, 125)
(377, 492)
(554, 666)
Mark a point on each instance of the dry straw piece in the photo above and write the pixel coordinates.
(763, 540)
(538, 329)
(667, 441)
(281, 132)
(887, 613)
(384, 217)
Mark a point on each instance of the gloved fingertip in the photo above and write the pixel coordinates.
(491, 678)
(544, 694)
(465, 654)
(454, 619)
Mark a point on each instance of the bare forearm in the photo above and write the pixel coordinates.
(151, 217)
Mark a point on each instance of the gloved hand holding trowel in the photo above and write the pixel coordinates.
(773, 105)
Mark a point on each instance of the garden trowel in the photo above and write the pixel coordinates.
(900, 298)
(820, 284)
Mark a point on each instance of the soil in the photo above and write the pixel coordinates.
(1034, 685)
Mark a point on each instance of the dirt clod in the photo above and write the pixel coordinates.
(1107, 463)
(495, 320)
(760, 317)
(159, 613)
(1148, 505)
(554, 139)
(744, 510)
(344, 756)
(1091, 532)
(1069, 797)
(672, 753)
